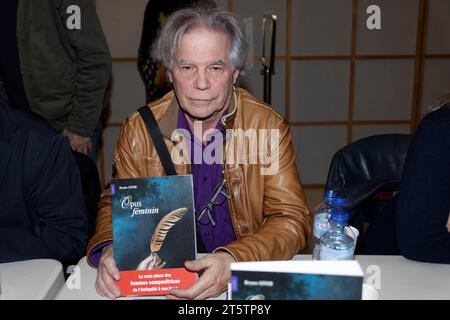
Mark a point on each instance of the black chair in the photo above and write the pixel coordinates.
(367, 173)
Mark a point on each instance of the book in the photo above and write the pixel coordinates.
(296, 280)
(154, 233)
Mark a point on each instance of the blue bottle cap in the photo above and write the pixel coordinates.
(339, 216)
(329, 195)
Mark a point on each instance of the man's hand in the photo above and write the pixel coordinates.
(215, 275)
(78, 143)
(107, 272)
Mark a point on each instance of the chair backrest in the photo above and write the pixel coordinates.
(367, 173)
(379, 157)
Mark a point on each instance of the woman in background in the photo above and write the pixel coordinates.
(423, 206)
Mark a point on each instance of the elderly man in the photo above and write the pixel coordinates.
(261, 213)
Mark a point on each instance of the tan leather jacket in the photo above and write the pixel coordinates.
(268, 212)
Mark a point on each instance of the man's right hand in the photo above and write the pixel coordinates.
(107, 272)
(78, 143)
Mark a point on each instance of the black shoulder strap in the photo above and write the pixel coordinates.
(158, 141)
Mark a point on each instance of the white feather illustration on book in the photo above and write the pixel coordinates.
(153, 261)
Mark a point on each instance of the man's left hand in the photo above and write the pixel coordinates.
(215, 275)
(78, 143)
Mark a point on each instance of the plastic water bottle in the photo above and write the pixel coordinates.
(335, 244)
(320, 220)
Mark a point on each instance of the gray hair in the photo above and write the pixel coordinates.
(184, 21)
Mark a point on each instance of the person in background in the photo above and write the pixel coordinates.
(54, 61)
(152, 72)
(42, 211)
(261, 213)
(423, 204)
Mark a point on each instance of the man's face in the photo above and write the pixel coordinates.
(202, 75)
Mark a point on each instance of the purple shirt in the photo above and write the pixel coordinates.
(96, 253)
(206, 177)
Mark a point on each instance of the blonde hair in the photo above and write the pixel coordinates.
(439, 103)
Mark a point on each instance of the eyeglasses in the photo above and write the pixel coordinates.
(208, 208)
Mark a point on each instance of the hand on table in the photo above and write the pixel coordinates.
(215, 275)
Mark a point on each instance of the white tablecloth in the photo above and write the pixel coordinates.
(31, 279)
(394, 277)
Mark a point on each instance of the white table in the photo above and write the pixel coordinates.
(394, 276)
(31, 279)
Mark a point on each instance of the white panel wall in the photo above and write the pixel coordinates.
(315, 147)
(319, 90)
(321, 27)
(383, 89)
(438, 35)
(128, 91)
(122, 24)
(398, 27)
(253, 82)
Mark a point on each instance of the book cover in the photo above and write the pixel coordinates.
(154, 233)
(296, 280)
